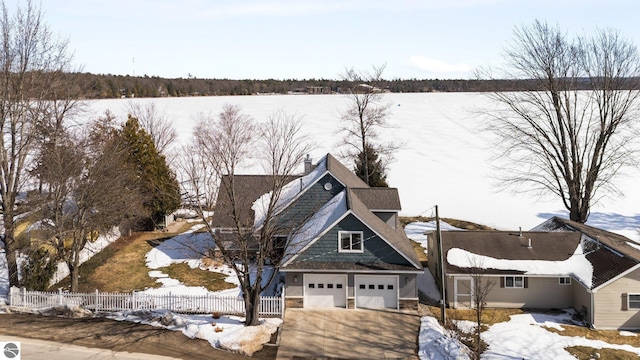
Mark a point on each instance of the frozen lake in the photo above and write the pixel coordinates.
(444, 160)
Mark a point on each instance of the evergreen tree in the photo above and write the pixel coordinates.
(376, 167)
(157, 181)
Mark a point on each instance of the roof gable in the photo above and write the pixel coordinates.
(336, 210)
(609, 253)
(612, 240)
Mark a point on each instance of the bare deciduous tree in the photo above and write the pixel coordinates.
(32, 64)
(571, 133)
(155, 122)
(91, 190)
(365, 116)
(220, 147)
(481, 286)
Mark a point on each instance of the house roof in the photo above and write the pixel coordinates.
(511, 246)
(609, 253)
(342, 173)
(614, 241)
(395, 236)
(380, 199)
(247, 188)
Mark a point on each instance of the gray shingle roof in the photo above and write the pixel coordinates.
(609, 253)
(386, 199)
(548, 246)
(248, 188)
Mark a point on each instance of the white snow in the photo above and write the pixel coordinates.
(416, 231)
(328, 214)
(287, 194)
(525, 337)
(234, 336)
(576, 265)
(90, 249)
(445, 158)
(436, 343)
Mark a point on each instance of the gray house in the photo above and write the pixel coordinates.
(559, 264)
(345, 245)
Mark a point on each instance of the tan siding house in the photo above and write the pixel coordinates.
(559, 264)
(612, 308)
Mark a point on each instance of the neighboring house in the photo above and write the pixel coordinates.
(346, 247)
(559, 264)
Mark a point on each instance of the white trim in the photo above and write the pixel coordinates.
(349, 211)
(629, 302)
(385, 240)
(514, 281)
(351, 250)
(456, 292)
(313, 241)
(617, 277)
(564, 283)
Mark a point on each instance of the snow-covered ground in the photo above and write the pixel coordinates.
(524, 336)
(445, 159)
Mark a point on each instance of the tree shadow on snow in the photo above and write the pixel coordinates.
(601, 220)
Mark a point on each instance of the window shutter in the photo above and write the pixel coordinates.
(625, 301)
(526, 282)
(501, 281)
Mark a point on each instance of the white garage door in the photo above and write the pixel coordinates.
(376, 291)
(325, 290)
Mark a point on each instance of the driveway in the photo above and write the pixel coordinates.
(349, 334)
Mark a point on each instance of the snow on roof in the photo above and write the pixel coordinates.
(576, 265)
(289, 192)
(323, 218)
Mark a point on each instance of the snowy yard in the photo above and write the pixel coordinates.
(511, 339)
(226, 332)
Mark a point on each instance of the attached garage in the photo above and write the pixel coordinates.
(325, 290)
(376, 291)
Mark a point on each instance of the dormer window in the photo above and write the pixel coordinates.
(350, 241)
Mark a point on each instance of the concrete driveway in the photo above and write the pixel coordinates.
(349, 334)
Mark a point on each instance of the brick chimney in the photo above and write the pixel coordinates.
(307, 165)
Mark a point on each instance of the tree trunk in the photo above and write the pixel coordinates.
(10, 248)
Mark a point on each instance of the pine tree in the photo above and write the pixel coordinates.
(158, 181)
(375, 166)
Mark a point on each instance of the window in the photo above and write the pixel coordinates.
(362, 286)
(311, 286)
(320, 286)
(514, 282)
(565, 280)
(634, 301)
(372, 287)
(350, 241)
(389, 287)
(329, 286)
(380, 287)
(338, 286)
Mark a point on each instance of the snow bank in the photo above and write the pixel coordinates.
(576, 265)
(436, 343)
(232, 335)
(90, 249)
(525, 337)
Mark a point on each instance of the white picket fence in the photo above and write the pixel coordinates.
(270, 306)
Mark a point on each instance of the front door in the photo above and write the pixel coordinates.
(463, 292)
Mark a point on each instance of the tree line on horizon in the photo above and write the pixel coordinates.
(109, 86)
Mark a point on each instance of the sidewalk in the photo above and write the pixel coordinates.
(40, 349)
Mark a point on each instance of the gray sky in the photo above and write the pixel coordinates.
(284, 39)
